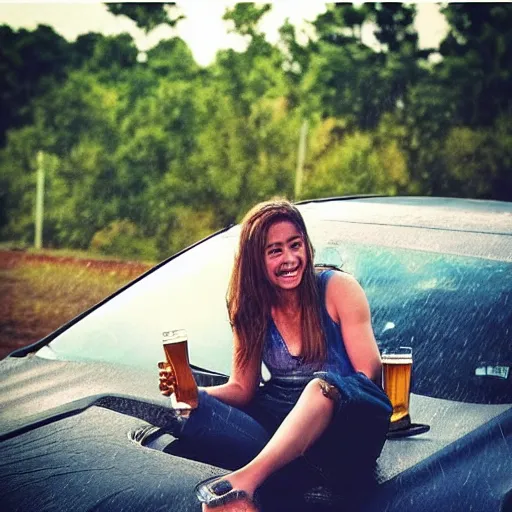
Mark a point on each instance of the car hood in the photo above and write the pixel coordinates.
(56, 400)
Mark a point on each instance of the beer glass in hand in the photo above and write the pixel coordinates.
(176, 378)
(396, 376)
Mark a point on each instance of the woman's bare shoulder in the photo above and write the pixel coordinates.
(345, 295)
(341, 280)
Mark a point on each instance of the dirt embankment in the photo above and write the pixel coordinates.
(40, 292)
(11, 259)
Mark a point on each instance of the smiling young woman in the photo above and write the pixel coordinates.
(259, 257)
(322, 417)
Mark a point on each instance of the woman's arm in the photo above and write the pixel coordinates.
(347, 304)
(242, 383)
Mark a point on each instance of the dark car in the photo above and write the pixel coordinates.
(438, 276)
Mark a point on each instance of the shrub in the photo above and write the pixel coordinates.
(122, 238)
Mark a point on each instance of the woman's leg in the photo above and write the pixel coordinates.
(300, 429)
(223, 431)
(362, 411)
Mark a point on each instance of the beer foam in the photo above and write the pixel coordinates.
(396, 360)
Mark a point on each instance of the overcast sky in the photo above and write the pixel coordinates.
(203, 29)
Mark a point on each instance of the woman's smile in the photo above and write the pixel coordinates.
(288, 273)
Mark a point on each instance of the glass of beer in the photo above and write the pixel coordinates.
(184, 397)
(396, 376)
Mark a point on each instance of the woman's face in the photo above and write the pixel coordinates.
(285, 255)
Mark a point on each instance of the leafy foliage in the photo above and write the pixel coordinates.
(31, 64)
(147, 15)
(144, 157)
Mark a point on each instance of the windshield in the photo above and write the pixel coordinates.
(188, 292)
(454, 311)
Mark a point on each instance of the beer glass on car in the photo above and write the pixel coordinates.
(184, 388)
(396, 377)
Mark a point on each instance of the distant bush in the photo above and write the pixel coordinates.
(123, 238)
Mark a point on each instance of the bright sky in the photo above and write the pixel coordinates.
(203, 29)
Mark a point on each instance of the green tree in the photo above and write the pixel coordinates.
(350, 80)
(461, 113)
(172, 59)
(356, 162)
(75, 125)
(343, 79)
(18, 165)
(31, 63)
(245, 18)
(477, 58)
(148, 15)
(478, 161)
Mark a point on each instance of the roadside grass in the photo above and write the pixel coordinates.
(62, 292)
(39, 296)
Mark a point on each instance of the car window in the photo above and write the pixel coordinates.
(189, 292)
(453, 310)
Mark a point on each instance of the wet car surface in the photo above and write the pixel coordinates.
(438, 276)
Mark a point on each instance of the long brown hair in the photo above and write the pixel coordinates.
(251, 294)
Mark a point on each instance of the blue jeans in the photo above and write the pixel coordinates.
(349, 446)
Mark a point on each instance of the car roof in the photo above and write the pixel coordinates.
(460, 227)
(451, 214)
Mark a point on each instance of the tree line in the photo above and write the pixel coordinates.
(143, 156)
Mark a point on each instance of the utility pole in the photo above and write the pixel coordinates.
(38, 238)
(301, 155)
